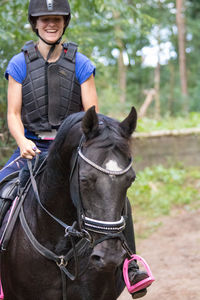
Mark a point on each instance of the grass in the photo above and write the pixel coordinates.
(158, 189)
(170, 123)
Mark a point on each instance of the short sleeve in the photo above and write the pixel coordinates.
(17, 68)
(84, 68)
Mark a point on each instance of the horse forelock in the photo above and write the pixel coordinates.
(110, 137)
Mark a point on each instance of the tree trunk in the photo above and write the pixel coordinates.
(150, 94)
(157, 90)
(171, 87)
(180, 20)
(157, 76)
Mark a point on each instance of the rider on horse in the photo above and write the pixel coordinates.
(48, 81)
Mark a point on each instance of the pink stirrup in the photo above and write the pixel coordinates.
(1, 291)
(141, 284)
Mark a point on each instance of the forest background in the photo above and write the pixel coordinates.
(147, 55)
(143, 50)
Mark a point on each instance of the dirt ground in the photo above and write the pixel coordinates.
(173, 253)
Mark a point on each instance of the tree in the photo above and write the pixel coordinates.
(180, 20)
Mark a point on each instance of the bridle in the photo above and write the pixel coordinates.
(106, 171)
(99, 226)
(86, 225)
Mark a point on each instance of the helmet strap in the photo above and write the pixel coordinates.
(50, 52)
(50, 44)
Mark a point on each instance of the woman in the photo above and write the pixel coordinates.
(33, 122)
(48, 81)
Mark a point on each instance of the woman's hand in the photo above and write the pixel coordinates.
(28, 149)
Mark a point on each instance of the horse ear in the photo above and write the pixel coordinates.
(129, 124)
(90, 123)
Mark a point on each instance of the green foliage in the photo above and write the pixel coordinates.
(169, 123)
(156, 190)
(103, 27)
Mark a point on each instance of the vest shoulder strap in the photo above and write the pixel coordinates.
(71, 51)
(30, 49)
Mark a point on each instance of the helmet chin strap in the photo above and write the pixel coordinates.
(50, 44)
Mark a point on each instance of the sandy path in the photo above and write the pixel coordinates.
(173, 253)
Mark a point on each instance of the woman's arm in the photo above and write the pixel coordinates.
(15, 124)
(89, 94)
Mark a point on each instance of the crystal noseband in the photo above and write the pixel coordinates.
(104, 226)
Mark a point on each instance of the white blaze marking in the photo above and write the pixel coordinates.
(112, 165)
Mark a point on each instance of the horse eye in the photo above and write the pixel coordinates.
(86, 180)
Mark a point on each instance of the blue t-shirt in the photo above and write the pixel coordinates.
(17, 68)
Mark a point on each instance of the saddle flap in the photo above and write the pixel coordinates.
(8, 190)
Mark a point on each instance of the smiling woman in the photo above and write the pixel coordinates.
(48, 81)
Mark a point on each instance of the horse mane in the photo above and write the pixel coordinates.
(67, 125)
(64, 131)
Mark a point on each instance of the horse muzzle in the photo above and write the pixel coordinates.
(108, 255)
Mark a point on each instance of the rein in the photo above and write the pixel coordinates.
(70, 231)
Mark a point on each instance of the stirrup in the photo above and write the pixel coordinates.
(1, 291)
(141, 284)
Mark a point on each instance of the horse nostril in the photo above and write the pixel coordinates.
(97, 260)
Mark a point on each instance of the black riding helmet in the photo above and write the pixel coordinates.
(39, 8)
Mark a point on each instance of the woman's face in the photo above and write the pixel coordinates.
(50, 28)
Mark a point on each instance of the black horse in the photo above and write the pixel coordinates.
(83, 183)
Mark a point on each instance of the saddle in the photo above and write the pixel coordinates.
(8, 191)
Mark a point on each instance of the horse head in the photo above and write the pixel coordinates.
(105, 174)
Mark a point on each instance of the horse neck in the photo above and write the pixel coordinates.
(54, 188)
(54, 183)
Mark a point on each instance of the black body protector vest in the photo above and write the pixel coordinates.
(50, 91)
